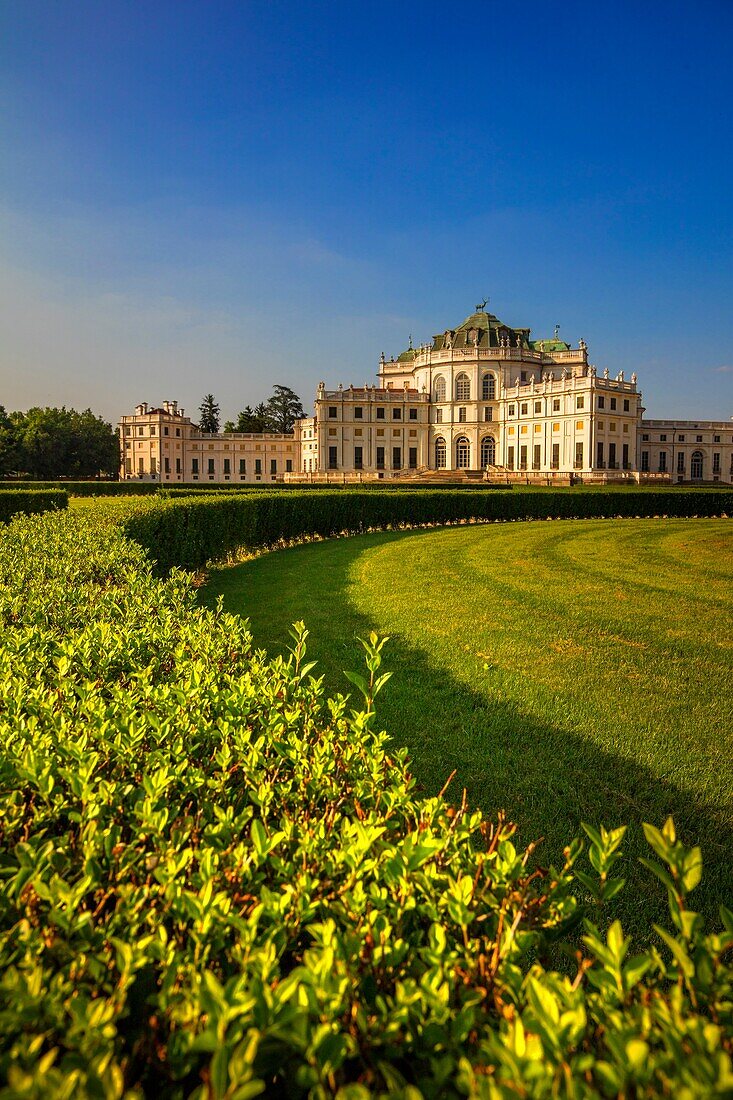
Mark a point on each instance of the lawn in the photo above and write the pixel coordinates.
(565, 670)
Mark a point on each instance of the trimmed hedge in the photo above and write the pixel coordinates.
(219, 884)
(15, 502)
(190, 531)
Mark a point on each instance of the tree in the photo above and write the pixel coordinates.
(283, 409)
(9, 453)
(209, 410)
(50, 443)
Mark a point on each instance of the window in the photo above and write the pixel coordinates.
(488, 451)
(152, 431)
(680, 462)
(333, 458)
(462, 415)
(273, 466)
(716, 463)
(288, 465)
(178, 465)
(556, 404)
(211, 466)
(626, 404)
(396, 458)
(523, 408)
(578, 456)
(227, 466)
(440, 388)
(166, 465)
(380, 413)
(716, 439)
(625, 456)
(662, 462)
(128, 467)
(165, 431)
(644, 462)
(413, 414)
(612, 464)
(463, 388)
(258, 467)
(512, 409)
(696, 465)
(601, 403)
(645, 439)
(601, 424)
(523, 376)
(178, 432)
(358, 412)
(599, 455)
(579, 402)
(438, 416)
(463, 453)
(522, 458)
(140, 466)
(194, 466)
(538, 406)
(555, 461)
(488, 413)
(440, 453)
(412, 460)
(380, 458)
(510, 458)
(242, 467)
(536, 456)
(662, 439)
(579, 425)
(698, 439)
(488, 387)
(358, 458)
(332, 412)
(613, 403)
(140, 431)
(396, 413)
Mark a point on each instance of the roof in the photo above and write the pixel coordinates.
(482, 330)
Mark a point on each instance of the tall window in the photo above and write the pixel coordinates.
(644, 461)
(488, 387)
(555, 461)
(438, 416)
(440, 388)
(462, 414)
(463, 453)
(696, 463)
(488, 451)
(488, 413)
(536, 456)
(333, 458)
(662, 462)
(440, 453)
(578, 456)
(463, 388)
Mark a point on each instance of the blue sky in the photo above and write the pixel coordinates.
(221, 196)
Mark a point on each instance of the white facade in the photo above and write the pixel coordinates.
(482, 401)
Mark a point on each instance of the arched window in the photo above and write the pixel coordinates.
(488, 387)
(463, 453)
(488, 451)
(440, 388)
(463, 388)
(696, 464)
(440, 453)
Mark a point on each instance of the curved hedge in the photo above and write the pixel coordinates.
(217, 883)
(190, 531)
(29, 501)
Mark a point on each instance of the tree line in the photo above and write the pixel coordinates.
(278, 414)
(50, 443)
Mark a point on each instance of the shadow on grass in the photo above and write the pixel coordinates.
(548, 779)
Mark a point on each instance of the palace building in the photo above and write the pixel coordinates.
(483, 401)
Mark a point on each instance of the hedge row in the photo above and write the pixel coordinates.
(192, 530)
(29, 501)
(216, 883)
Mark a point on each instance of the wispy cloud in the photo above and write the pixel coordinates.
(725, 369)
